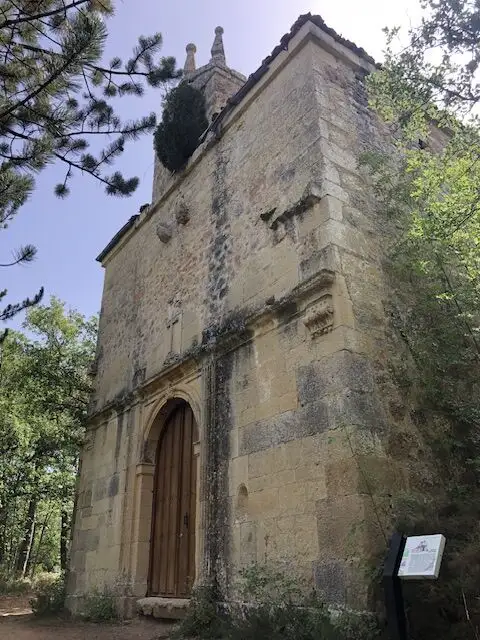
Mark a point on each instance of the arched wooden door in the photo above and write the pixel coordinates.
(172, 547)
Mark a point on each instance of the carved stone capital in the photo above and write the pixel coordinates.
(318, 316)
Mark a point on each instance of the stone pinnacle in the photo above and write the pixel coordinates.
(190, 65)
(218, 52)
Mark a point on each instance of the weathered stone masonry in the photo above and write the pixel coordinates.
(252, 288)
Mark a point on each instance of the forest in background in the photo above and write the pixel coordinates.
(44, 395)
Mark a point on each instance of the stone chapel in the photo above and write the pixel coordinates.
(240, 398)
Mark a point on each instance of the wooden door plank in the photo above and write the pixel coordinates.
(183, 568)
(165, 513)
(157, 510)
(173, 517)
(193, 508)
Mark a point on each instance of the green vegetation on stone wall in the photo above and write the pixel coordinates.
(183, 122)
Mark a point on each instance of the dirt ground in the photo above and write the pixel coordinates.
(18, 623)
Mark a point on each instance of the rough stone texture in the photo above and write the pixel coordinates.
(265, 312)
(163, 608)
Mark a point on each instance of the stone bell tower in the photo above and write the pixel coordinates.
(217, 82)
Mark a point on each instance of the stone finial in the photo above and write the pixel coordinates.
(218, 52)
(190, 65)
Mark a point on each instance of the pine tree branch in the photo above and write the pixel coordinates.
(39, 89)
(105, 71)
(39, 16)
(76, 165)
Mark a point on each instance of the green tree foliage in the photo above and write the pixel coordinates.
(57, 97)
(44, 391)
(56, 94)
(428, 94)
(183, 122)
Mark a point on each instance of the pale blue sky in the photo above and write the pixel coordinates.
(70, 233)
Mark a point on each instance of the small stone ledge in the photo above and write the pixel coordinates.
(312, 194)
(163, 608)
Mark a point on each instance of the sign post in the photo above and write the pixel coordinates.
(413, 558)
(392, 585)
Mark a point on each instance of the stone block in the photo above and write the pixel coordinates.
(330, 579)
(268, 433)
(237, 474)
(163, 608)
(266, 409)
(101, 489)
(266, 462)
(142, 526)
(306, 540)
(352, 407)
(141, 558)
(291, 498)
(319, 257)
(312, 418)
(294, 453)
(315, 490)
(78, 560)
(248, 543)
(143, 510)
(332, 173)
(351, 527)
(291, 425)
(287, 402)
(332, 189)
(272, 480)
(315, 471)
(339, 339)
(327, 208)
(264, 503)
(353, 440)
(363, 474)
(340, 371)
(344, 312)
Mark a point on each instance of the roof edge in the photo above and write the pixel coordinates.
(117, 237)
(255, 77)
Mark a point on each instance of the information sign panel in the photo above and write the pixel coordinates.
(422, 557)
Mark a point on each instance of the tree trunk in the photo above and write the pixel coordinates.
(25, 547)
(3, 535)
(28, 559)
(64, 538)
(33, 563)
(12, 546)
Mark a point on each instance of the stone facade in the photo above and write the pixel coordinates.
(253, 289)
